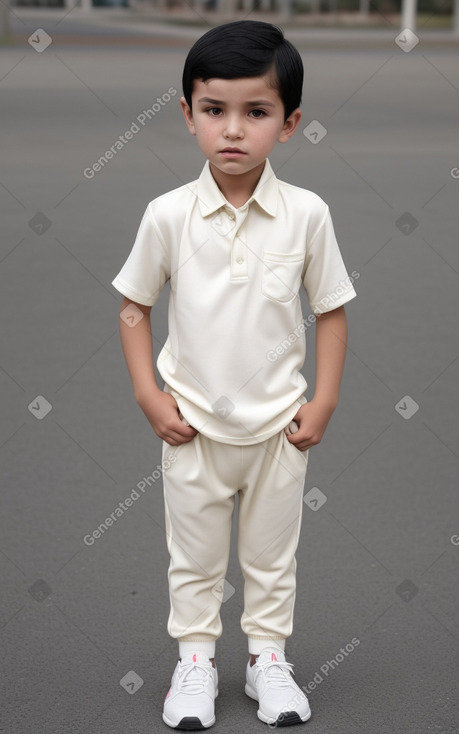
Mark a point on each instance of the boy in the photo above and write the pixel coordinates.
(236, 245)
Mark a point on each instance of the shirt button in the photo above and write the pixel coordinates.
(240, 260)
(231, 215)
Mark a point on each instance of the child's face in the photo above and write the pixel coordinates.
(244, 114)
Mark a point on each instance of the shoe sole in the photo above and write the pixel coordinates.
(189, 723)
(286, 718)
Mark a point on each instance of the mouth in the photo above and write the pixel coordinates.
(232, 152)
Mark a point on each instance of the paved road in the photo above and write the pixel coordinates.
(82, 624)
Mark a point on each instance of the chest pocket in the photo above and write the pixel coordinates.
(281, 277)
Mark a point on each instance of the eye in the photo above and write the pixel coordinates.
(213, 111)
(258, 114)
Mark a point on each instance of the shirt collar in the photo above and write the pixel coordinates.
(210, 198)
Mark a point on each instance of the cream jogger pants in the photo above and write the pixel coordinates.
(199, 494)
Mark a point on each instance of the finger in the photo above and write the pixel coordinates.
(291, 428)
(302, 444)
(184, 431)
(184, 422)
(297, 438)
(175, 441)
(182, 434)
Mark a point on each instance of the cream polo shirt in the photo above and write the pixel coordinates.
(236, 340)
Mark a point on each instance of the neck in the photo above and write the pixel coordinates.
(237, 188)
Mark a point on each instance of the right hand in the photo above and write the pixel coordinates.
(162, 412)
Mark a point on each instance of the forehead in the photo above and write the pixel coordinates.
(243, 89)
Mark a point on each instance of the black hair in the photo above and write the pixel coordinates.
(246, 48)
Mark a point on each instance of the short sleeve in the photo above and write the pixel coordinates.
(147, 267)
(325, 277)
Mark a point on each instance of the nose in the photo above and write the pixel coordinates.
(233, 128)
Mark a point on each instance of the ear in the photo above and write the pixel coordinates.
(188, 115)
(290, 126)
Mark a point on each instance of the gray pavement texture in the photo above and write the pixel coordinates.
(84, 644)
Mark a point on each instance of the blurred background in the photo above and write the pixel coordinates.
(347, 13)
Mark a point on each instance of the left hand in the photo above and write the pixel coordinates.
(312, 419)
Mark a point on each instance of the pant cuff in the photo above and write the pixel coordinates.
(256, 645)
(207, 647)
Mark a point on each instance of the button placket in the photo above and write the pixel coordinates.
(239, 268)
(223, 222)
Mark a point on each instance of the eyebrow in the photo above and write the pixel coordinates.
(256, 103)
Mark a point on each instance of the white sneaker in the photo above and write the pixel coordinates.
(190, 701)
(269, 681)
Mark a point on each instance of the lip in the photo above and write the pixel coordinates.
(232, 153)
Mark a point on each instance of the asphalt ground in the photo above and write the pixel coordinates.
(84, 644)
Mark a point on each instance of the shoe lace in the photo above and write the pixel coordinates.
(276, 670)
(194, 676)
